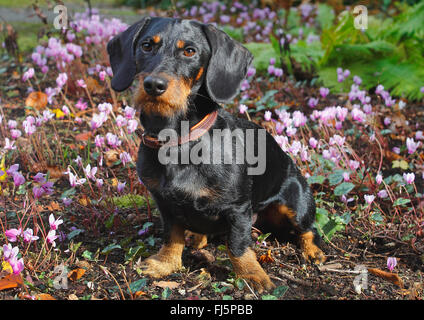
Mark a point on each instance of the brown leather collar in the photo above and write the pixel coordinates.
(195, 133)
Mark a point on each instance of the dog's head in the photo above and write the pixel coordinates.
(173, 58)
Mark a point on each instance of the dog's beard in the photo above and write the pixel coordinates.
(172, 102)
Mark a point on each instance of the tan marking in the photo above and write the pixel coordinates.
(180, 44)
(168, 259)
(156, 39)
(278, 214)
(199, 75)
(169, 104)
(310, 251)
(197, 240)
(249, 269)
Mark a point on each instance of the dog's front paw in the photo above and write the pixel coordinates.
(248, 268)
(158, 266)
(258, 281)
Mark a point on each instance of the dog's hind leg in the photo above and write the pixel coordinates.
(288, 224)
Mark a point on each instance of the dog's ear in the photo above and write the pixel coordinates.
(227, 66)
(121, 50)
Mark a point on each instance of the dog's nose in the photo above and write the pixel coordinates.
(155, 86)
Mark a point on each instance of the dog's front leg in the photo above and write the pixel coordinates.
(168, 259)
(242, 257)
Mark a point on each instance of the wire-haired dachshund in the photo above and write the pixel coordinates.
(185, 70)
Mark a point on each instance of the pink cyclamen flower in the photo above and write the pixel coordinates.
(18, 179)
(99, 141)
(369, 198)
(125, 158)
(267, 115)
(99, 183)
(121, 121)
(357, 80)
(132, 126)
(391, 263)
(13, 234)
(251, 72)
(29, 235)
(324, 92)
(15, 133)
(13, 169)
(51, 237)
(346, 176)
(313, 102)
(9, 145)
(28, 75)
(9, 252)
(121, 186)
(313, 142)
(61, 80)
(40, 177)
(66, 201)
(16, 264)
(129, 112)
(38, 192)
(90, 172)
(54, 224)
(382, 194)
(409, 177)
(242, 108)
(73, 179)
(336, 139)
(81, 83)
(379, 179)
(411, 145)
(102, 75)
(81, 105)
(12, 124)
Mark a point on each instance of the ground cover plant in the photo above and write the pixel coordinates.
(345, 104)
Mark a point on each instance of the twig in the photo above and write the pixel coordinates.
(292, 279)
(251, 290)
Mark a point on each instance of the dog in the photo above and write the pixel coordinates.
(186, 70)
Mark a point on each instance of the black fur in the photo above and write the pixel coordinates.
(207, 198)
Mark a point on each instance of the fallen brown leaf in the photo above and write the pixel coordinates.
(111, 156)
(53, 206)
(37, 99)
(44, 296)
(163, 284)
(55, 172)
(10, 281)
(84, 136)
(266, 258)
(392, 277)
(76, 274)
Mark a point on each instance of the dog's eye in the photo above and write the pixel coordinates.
(146, 46)
(189, 51)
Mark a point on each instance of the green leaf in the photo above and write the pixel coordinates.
(88, 255)
(343, 188)
(401, 201)
(74, 233)
(316, 179)
(110, 247)
(68, 193)
(280, 291)
(138, 285)
(134, 252)
(336, 177)
(269, 297)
